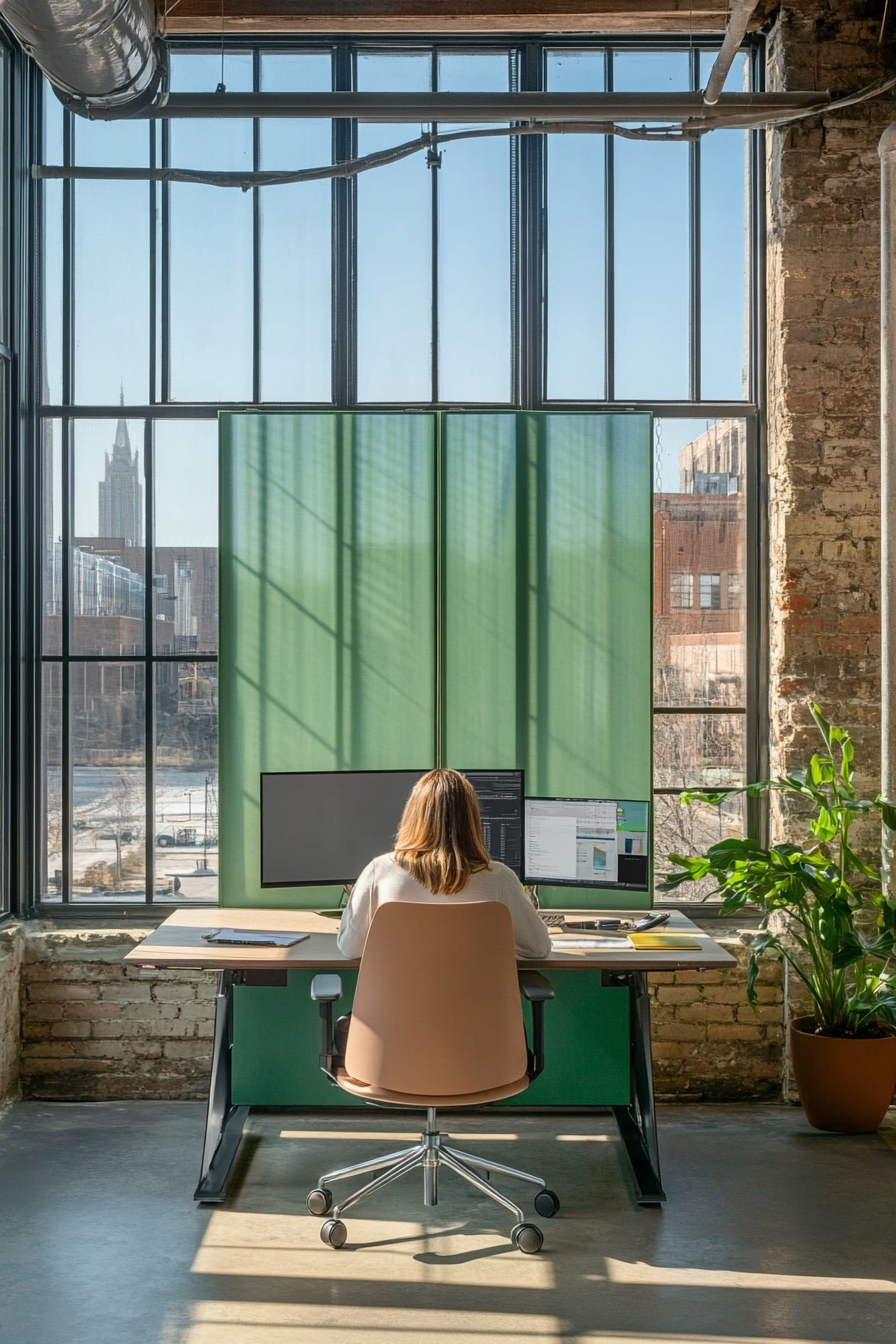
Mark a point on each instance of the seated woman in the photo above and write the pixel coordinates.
(440, 855)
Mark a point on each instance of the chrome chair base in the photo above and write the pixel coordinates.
(432, 1152)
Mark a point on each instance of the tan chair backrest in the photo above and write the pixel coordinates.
(437, 1007)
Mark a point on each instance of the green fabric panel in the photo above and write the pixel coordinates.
(275, 1044)
(546, 605)
(327, 612)
(590, 691)
(483, 621)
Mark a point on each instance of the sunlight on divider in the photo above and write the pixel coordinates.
(620, 1271)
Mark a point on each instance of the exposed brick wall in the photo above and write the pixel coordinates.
(94, 1029)
(12, 941)
(824, 386)
(709, 1043)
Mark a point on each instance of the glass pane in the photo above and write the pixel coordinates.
(724, 249)
(474, 247)
(295, 242)
(700, 563)
(551, 646)
(51, 382)
(51, 535)
(186, 835)
(652, 262)
(111, 310)
(576, 240)
(211, 294)
(699, 751)
(108, 558)
(185, 564)
(51, 767)
(108, 708)
(691, 830)
(51, 390)
(394, 247)
(724, 294)
(211, 239)
(327, 656)
(111, 144)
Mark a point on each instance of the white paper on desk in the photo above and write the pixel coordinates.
(604, 944)
(551, 847)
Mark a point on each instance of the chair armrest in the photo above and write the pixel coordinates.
(537, 990)
(534, 986)
(325, 990)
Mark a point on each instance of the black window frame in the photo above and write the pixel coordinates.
(529, 386)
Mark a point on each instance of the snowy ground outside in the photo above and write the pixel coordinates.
(109, 810)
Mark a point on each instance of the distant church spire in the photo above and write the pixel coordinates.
(121, 493)
(121, 449)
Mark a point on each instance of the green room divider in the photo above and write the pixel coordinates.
(402, 589)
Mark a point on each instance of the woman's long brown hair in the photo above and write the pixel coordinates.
(439, 841)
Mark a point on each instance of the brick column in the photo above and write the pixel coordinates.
(824, 388)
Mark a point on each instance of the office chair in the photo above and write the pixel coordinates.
(436, 1021)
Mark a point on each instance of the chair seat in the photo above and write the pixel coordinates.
(372, 1093)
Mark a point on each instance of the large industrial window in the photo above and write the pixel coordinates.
(539, 272)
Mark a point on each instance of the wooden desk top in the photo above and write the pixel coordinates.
(178, 942)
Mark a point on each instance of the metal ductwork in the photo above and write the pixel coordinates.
(738, 19)
(99, 56)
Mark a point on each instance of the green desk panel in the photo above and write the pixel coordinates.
(275, 1044)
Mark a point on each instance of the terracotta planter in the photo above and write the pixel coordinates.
(844, 1085)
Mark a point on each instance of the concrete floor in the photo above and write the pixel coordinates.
(772, 1232)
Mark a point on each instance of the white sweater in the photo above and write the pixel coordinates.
(383, 880)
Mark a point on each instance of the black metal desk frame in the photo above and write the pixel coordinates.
(636, 1122)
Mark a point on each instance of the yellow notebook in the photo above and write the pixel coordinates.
(655, 942)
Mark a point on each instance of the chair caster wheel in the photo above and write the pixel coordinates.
(319, 1202)
(333, 1233)
(546, 1203)
(527, 1237)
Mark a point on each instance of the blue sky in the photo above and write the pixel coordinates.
(212, 281)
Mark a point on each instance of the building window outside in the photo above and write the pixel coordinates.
(710, 592)
(129, 518)
(700, 651)
(682, 590)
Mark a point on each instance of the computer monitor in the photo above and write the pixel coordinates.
(500, 794)
(587, 842)
(322, 827)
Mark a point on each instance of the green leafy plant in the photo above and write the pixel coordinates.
(839, 931)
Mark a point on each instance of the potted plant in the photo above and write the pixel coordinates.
(823, 910)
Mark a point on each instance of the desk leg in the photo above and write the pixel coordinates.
(224, 1121)
(637, 1121)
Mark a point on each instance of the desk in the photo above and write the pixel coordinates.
(178, 942)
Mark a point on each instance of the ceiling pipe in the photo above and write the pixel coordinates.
(101, 56)
(739, 17)
(481, 107)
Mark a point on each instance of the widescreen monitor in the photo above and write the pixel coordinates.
(587, 842)
(322, 827)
